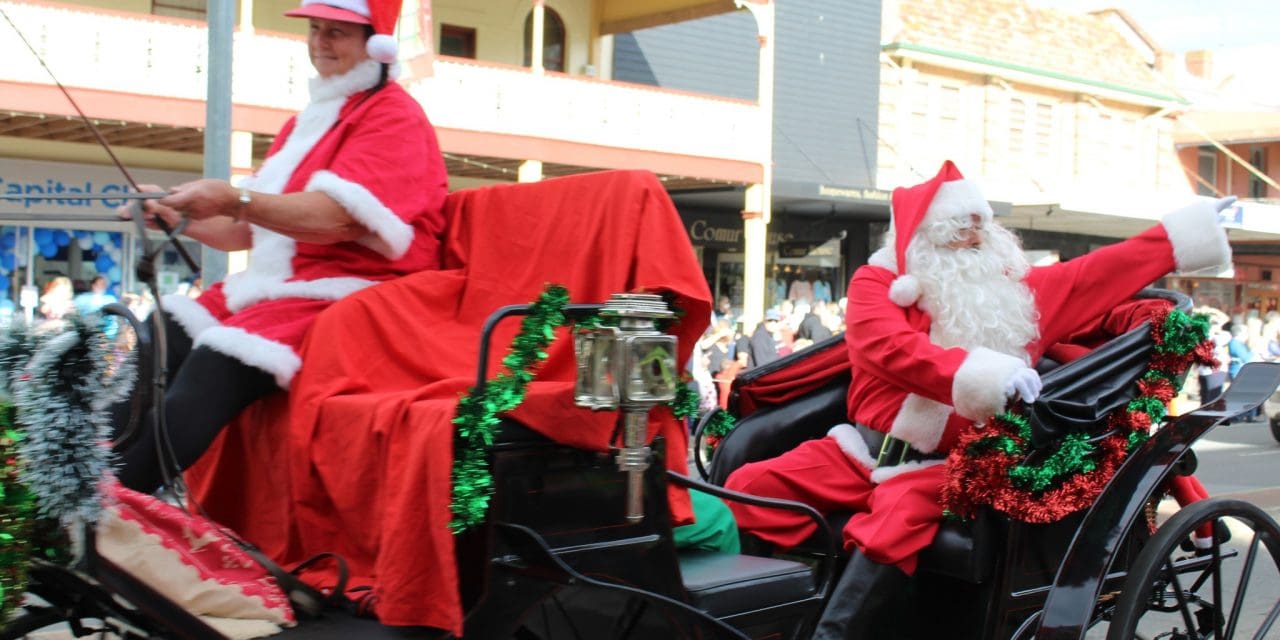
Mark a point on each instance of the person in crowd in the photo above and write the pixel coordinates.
(763, 346)
(944, 327)
(56, 302)
(812, 327)
(723, 311)
(95, 298)
(350, 195)
(1238, 354)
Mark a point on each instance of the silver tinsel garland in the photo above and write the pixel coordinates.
(62, 395)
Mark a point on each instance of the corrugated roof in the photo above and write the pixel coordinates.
(1013, 32)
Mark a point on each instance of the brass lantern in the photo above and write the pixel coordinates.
(632, 366)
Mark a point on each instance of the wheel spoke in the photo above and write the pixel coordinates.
(1183, 605)
(1266, 624)
(1245, 573)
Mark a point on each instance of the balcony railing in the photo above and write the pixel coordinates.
(485, 97)
(145, 55)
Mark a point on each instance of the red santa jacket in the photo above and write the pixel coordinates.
(377, 156)
(906, 386)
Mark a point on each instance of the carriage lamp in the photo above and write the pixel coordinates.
(631, 366)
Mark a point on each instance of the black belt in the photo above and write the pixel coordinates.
(890, 451)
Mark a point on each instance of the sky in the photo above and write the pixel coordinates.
(1186, 25)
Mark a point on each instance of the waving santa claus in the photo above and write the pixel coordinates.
(945, 324)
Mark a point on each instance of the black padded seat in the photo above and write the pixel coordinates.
(724, 584)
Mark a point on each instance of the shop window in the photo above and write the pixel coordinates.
(553, 40)
(1257, 158)
(1207, 172)
(192, 9)
(456, 41)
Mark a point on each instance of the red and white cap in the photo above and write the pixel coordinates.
(946, 195)
(379, 14)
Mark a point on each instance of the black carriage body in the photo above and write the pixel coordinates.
(992, 577)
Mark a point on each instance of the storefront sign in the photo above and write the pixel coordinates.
(66, 180)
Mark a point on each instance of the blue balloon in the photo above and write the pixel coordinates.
(43, 236)
(101, 237)
(48, 251)
(117, 240)
(61, 238)
(113, 274)
(8, 241)
(103, 263)
(7, 260)
(81, 235)
(4, 284)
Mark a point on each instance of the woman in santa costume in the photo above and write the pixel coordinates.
(944, 326)
(350, 195)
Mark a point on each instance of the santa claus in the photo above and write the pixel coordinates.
(944, 326)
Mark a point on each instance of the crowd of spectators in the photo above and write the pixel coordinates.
(727, 348)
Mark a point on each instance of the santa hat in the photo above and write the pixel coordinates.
(946, 195)
(379, 14)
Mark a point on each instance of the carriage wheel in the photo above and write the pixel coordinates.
(1226, 591)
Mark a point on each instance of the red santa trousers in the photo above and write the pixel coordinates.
(892, 520)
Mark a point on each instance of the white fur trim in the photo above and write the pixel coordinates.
(905, 290)
(365, 207)
(883, 258)
(852, 444)
(978, 388)
(957, 198)
(247, 288)
(884, 473)
(362, 76)
(277, 359)
(1197, 237)
(189, 314)
(921, 422)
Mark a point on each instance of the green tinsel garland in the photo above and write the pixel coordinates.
(477, 415)
(17, 512)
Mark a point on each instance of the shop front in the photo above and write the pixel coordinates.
(52, 249)
(809, 258)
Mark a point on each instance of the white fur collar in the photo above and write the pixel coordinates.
(362, 76)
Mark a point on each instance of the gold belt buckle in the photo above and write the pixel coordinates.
(887, 448)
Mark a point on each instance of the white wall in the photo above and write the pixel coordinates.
(499, 26)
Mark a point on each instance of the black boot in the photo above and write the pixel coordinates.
(864, 587)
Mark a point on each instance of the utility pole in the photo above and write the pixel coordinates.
(217, 130)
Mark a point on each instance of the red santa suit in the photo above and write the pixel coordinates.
(375, 153)
(907, 386)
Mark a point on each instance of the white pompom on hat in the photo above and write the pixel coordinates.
(379, 14)
(948, 194)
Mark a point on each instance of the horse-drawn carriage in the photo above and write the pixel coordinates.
(577, 540)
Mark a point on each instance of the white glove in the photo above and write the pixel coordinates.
(1222, 204)
(1023, 383)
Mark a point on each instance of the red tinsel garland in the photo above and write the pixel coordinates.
(980, 475)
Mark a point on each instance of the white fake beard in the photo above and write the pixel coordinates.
(976, 297)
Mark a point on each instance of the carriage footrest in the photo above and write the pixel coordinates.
(724, 584)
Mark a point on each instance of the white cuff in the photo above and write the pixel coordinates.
(921, 422)
(1197, 236)
(978, 388)
(192, 316)
(275, 358)
(395, 234)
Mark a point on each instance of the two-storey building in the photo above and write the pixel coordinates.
(517, 90)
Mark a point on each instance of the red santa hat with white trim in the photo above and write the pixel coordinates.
(947, 195)
(379, 14)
